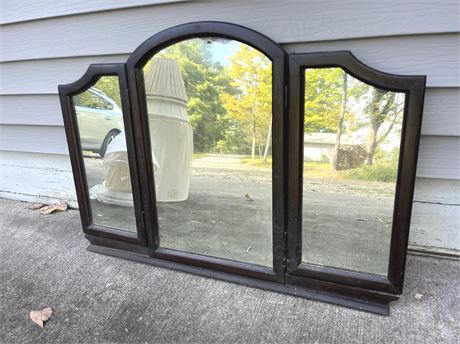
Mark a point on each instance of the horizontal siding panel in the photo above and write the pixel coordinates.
(441, 112)
(438, 156)
(32, 109)
(435, 56)
(18, 11)
(435, 226)
(43, 76)
(439, 191)
(441, 115)
(33, 139)
(45, 178)
(121, 31)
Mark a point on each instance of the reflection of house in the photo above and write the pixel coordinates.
(320, 146)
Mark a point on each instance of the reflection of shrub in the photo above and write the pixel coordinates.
(324, 159)
(378, 172)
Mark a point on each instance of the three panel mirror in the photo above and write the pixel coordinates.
(203, 154)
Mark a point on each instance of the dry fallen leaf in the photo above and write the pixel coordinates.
(41, 316)
(36, 206)
(418, 296)
(52, 208)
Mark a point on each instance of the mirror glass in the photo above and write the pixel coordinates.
(352, 134)
(103, 144)
(209, 103)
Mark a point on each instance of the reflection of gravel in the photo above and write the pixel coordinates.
(230, 167)
(351, 187)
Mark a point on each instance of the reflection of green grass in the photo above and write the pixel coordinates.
(199, 155)
(311, 169)
(378, 173)
(257, 162)
(314, 169)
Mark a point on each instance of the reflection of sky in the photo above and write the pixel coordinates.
(221, 51)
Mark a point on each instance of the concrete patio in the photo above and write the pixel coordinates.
(99, 299)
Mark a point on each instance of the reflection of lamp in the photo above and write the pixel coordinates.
(171, 137)
(170, 130)
(116, 188)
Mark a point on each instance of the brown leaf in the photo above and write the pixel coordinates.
(36, 206)
(52, 208)
(61, 206)
(41, 316)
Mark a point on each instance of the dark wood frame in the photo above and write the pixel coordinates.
(66, 93)
(314, 276)
(289, 275)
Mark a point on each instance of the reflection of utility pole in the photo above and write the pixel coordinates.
(335, 155)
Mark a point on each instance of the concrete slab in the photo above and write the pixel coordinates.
(99, 299)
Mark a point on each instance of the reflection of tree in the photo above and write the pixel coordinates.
(343, 109)
(323, 99)
(250, 105)
(204, 81)
(109, 85)
(335, 102)
(381, 108)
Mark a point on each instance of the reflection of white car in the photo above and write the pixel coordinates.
(99, 120)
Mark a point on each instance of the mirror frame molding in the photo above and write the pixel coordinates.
(66, 93)
(304, 274)
(276, 54)
(362, 291)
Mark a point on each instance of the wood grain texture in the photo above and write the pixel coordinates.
(282, 21)
(20, 11)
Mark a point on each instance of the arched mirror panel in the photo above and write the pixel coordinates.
(209, 104)
(211, 115)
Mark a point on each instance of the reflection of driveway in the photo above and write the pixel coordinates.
(346, 223)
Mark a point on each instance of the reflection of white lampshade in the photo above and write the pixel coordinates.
(163, 78)
(171, 133)
(165, 89)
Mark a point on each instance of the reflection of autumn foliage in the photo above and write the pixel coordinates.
(250, 106)
(328, 94)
